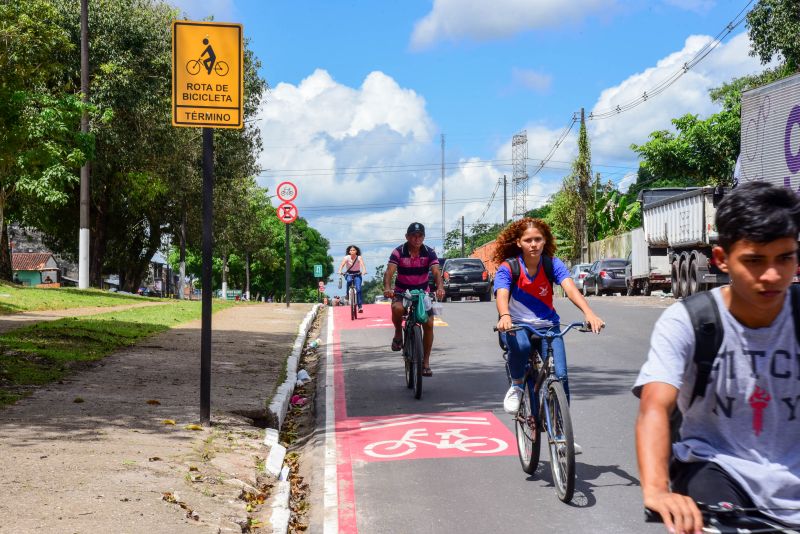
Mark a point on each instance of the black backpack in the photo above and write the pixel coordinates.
(708, 336)
(547, 264)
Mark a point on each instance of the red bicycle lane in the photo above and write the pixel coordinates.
(356, 440)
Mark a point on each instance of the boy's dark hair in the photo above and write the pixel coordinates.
(759, 212)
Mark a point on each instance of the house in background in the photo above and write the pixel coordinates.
(35, 269)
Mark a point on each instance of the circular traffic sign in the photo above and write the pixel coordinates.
(287, 212)
(287, 191)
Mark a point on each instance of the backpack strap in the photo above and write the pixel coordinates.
(513, 263)
(794, 289)
(708, 336)
(547, 265)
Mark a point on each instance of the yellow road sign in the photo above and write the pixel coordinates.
(207, 74)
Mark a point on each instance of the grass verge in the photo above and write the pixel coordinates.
(17, 299)
(45, 352)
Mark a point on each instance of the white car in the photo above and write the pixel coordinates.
(578, 273)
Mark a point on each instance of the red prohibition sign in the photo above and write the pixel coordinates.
(287, 191)
(287, 212)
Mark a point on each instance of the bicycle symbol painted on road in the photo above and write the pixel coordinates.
(449, 439)
(210, 63)
(439, 435)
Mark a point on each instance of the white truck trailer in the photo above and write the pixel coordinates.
(649, 267)
(770, 134)
(680, 230)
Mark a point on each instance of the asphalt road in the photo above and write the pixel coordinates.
(448, 463)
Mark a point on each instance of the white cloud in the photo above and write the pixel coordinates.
(529, 79)
(480, 20)
(221, 10)
(611, 138)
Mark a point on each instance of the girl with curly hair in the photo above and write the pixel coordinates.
(528, 301)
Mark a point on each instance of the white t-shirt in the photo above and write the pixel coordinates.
(352, 266)
(748, 422)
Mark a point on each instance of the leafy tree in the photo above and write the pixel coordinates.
(774, 27)
(41, 148)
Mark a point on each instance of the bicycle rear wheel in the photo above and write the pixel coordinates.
(351, 295)
(528, 433)
(560, 438)
(416, 360)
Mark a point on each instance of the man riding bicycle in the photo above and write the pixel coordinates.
(412, 261)
(741, 428)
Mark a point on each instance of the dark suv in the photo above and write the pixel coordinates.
(464, 277)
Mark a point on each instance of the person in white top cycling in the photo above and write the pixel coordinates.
(353, 268)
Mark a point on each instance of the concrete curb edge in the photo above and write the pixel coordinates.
(281, 514)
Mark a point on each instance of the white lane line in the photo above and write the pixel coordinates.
(331, 497)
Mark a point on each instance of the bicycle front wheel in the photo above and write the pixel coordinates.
(416, 360)
(352, 297)
(528, 433)
(407, 357)
(562, 444)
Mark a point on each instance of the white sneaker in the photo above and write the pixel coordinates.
(578, 449)
(512, 400)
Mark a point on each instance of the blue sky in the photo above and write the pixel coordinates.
(362, 91)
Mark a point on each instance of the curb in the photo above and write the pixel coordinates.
(278, 408)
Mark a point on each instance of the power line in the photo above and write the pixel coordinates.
(667, 82)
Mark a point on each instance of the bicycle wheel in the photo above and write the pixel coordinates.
(407, 358)
(193, 66)
(562, 446)
(221, 68)
(416, 361)
(352, 296)
(528, 434)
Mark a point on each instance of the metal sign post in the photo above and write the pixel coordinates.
(287, 213)
(207, 91)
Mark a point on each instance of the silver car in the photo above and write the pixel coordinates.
(578, 273)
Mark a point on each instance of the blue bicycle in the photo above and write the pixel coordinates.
(544, 407)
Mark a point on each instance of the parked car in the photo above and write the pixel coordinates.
(606, 276)
(578, 272)
(465, 277)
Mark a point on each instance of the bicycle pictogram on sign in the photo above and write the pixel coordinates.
(220, 68)
(432, 436)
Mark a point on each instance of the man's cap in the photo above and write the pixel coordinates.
(416, 227)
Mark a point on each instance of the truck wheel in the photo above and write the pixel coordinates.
(676, 280)
(646, 288)
(694, 286)
(684, 283)
(629, 285)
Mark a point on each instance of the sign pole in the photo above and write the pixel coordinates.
(208, 244)
(288, 267)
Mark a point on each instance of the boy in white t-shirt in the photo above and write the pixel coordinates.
(740, 441)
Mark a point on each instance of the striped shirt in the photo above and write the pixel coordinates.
(412, 273)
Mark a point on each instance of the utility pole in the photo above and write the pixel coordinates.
(505, 200)
(83, 232)
(443, 230)
(462, 237)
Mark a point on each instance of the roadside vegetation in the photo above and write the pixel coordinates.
(17, 299)
(46, 352)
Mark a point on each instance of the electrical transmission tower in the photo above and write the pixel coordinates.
(519, 180)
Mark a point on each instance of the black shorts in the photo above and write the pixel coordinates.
(708, 483)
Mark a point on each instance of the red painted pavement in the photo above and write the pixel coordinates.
(374, 316)
(403, 437)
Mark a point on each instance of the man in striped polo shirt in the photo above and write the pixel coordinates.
(411, 261)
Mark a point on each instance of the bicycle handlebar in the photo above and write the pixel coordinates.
(727, 513)
(580, 326)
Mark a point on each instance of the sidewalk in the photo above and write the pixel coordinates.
(97, 453)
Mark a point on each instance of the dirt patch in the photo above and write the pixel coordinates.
(130, 456)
